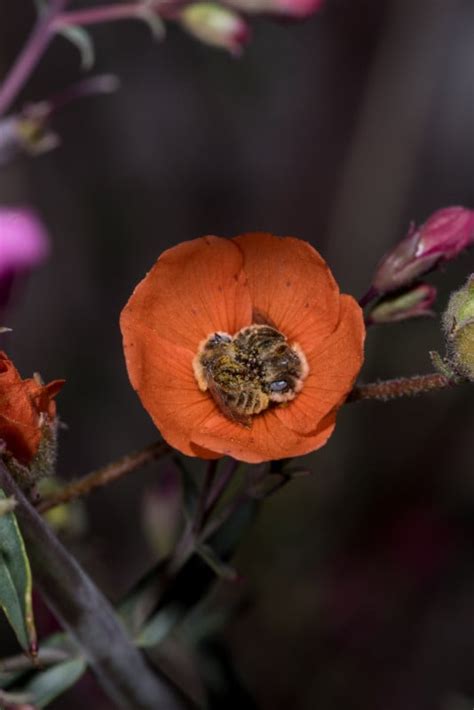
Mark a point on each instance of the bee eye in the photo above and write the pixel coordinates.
(278, 386)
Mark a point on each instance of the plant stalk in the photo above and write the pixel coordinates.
(104, 475)
(400, 387)
(84, 612)
(30, 55)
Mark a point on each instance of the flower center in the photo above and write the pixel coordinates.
(250, 371)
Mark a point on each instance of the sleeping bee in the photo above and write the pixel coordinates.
(248, 372)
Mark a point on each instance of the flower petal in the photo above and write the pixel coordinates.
(194, 289)
(333, 368)
(291, 285)
(267, 439)
(162, 375)
(22, 402)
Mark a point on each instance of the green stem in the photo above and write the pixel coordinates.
(89, 618)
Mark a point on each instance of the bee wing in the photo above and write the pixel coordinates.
(222, 402)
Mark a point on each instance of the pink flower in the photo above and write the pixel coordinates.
(441, 238)
(24, 244)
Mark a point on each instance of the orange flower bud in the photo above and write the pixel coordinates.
(25, 406)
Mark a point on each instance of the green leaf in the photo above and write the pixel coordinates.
(154, 632)
(15, 581)
(47, 685)
(82, 41)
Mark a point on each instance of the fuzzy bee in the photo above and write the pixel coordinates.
(248, 372)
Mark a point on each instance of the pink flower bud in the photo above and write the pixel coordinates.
(441, 238)
(24, 244)
(414, 302)
(216, 25)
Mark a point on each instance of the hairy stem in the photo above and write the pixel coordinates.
(104, 475)
(30, 55)
(400, 387)
(85, 613)
(382, 391)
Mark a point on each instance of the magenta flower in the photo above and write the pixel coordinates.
(441, 238)
(24, 244)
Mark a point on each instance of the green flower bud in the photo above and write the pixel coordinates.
(458, 324)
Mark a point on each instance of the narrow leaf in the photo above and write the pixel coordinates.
(47, 685)
(15, 581)
(156, 630)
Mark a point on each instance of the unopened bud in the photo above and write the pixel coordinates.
(289, 8)
(441, 238)
(411, 303)
(216, 25)
(458, 324)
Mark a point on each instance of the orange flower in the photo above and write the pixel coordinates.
(24, 406)
(196, 298)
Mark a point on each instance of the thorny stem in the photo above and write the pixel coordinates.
(105, 475)
(88, 617)
(30, 55)
(400, 387)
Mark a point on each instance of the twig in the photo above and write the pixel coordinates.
(400, 387)
(104, 475)
(30, 55)
(84, 612)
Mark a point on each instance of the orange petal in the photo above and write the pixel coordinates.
(194, 289)
(267, 439)
(333, 368)
(162, 375)
(291, 285)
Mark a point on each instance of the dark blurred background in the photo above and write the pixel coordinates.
(339, 130)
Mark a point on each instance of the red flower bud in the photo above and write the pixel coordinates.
(441, 238)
